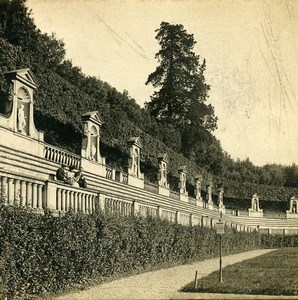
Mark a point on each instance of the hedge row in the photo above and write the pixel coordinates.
(46, 254)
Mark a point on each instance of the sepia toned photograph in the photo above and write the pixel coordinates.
(148, 149)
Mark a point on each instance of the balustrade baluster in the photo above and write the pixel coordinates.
(67, 201)
(71, 200)
(74, 201)
(29, 194)
(34, 195)
(17, 192)
(23, 193)
(89, 204)
(58, 199)
(4, 190)
(63, 200)
(39, 196)
(10, 191)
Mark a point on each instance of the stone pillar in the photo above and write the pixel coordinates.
(39, 196)
(4, 190)
(10, 191)
(63, 200)
(51, 195)
(59, 199)
(29, 195)
(191, 220)
(23, 193)
(34, 195)
(17, 192)
(177, 218)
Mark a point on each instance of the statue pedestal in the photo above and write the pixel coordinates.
(183, 197)
(199, 203)
(163, 191)
(136, 181)
(209, 206)
(291, 215)
(222, 209)
(254, 213)
(94, 166)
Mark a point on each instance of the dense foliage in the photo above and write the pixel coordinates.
(65, 93)
(46, 254)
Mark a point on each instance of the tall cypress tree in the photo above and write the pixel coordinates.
(180, 81)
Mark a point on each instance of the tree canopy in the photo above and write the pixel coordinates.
(179, 78)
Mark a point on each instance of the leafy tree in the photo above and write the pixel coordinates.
(181, 82)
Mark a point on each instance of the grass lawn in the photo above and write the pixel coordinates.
(274, 273)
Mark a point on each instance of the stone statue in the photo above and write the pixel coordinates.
(93, 151)
(135, 162)
(21, 119)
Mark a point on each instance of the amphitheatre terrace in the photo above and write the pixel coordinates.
(28, 166)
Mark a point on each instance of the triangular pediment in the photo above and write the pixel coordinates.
(92, 116)
(25, 76)
(135, 141)
(164, 157)
(182, 169)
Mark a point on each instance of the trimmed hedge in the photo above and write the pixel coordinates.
(43, 254)
(46, 254)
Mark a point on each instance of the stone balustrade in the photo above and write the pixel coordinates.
(117, 206)
(145, 210)
(76, 200)
(116, 175)
(60, 156)
(16, 190)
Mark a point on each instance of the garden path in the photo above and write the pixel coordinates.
(165, 283)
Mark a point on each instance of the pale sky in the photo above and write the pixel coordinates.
(250, 49)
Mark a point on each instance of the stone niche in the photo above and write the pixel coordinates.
(198, 190)
(255, 210)
(135, 177)
(90, 151)
(182, 183)
(163, 186)
(292, 212)
(16, 114)
(17, 109)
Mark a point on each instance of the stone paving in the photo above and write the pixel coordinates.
(165, 283)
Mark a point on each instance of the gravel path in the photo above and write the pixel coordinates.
(161, 284)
